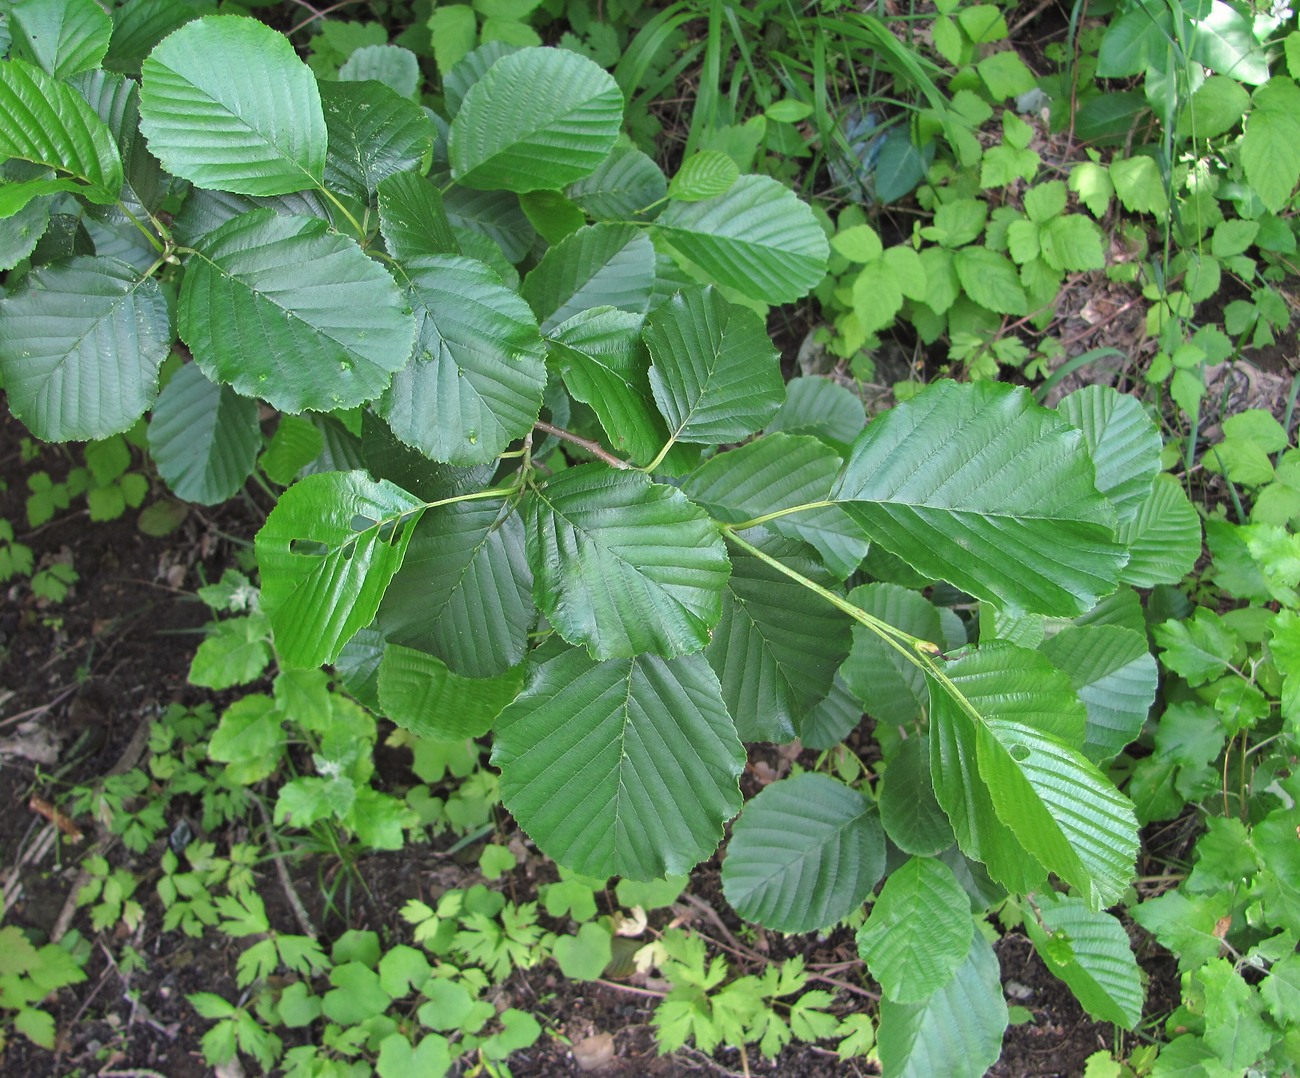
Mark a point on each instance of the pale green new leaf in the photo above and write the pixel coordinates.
(714, 372)
(777, 646)
(956, 1032)
(775, 472)
(225, 103)
(50, 124)
(203, 438)
(80, 347)
(1122, 440)
(1270, 149)
(419, 693)
(626, 767)
(597, 266)
(281, 308)
(1163, 538)
(804, 854)
(464, 592)
(538, 119)
(757, 238)
(412, 218)
(1115, 676)
(977, 485)
(62, 36)
(476, 380)
(327, 552)
(624, 565)
(919, 931)
(1090, 951)
(706, 174)
(373, 134)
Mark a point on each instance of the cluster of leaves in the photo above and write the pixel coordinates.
(29, 974)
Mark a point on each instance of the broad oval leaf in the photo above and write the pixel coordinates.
(823, 409)
(225, 103)
(464, 592)
(624, 565)
(538, 119)
(625, 184)
(476, 381)
(204, 438)
(1164, 537)
(419, 693)
(373, 134)
(80, 348)
(758, 238)
(281, 308)
(706, 174)
(909, 810)
(327, 553)
(412, 218)
(50, 124)
(956, 1032)
(1122, 440)
(625, 767)
(919, 931)
(389, 65)
(977, 485)
(62, 36)
(597, 266)
(804, 854)
(714, 372)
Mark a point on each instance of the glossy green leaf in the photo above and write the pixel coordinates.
(714, 372)
(956, 1032)
(781, 471)
(1116, 678)
(476, 380)
(419, 693)
(919, 932)
(804, 854)
(624, 565)
(203, 438)
(80, 347)
(1122, 440)
(327, 552)
(626, 183)
(977, 485)
(373, 134)
(63, 37)
(464, 592)
(225, 103)
(412, 218)
(538, 119)
(909, 810)
(50, 124)
(138, 25)
(283, 309)
(777, 646)
(758, 238)
(1164, 537)
(597, 266)
(625, 767)
(1090, 951)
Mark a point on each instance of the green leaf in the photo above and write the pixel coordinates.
(956, 1032)
(234, 652)
(624, 565)
(977, 485)
(1163, 538)
(777, 646)
(1090, 951)
(804, 854)
(1071, 243)
(455, 30)
(225, 103)
(357, 995)
(909, 811)
(859, 243)
(138, 25)
(584, 957)
(1198, 649)
(81, 344)
(990, 280)
(781, 471)
(537, 120)
(1122, 440)
(327, 552)
(296, 443)
(626, 183)
(412, 218)
(1115, 677)
(203, 438)
(116, 100)
(706, 174)
(249, 739)
(822, 408)
(420, 694)
(476, 380)
(597, 266)
(61, 36)
(1139, 185)
(50, 124)
(625, 767)
(373, 134)
(269, 304)
(714, 372)
(919, 932)
(758, 238)
(464, 592)
(389, 65)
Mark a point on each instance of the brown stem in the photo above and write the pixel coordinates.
(594, 448)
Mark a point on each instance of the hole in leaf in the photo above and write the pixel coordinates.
(1019, 753)
(362, 523)
(308, 548)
